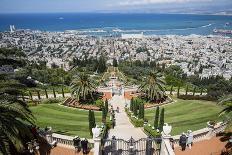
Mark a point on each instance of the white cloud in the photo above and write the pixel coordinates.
(147, 2)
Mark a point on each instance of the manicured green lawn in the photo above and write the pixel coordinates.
(64, 120)
(186, 115)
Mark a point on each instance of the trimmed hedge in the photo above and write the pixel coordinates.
(51, 101)
(136, 122)
(197, 97)
(151, 132)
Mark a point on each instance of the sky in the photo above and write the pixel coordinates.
(158, 6)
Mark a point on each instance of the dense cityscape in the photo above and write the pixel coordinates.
(207, 55)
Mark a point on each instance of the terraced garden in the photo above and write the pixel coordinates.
(64, 120)
(186, 115)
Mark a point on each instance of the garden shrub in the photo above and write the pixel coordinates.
(151, 131)
(197, 97)
(51, 101)
(99, 103)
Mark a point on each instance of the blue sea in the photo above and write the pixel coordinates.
(115, 24)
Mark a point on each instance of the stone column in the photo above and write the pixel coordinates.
(97, 145)
(97, 140)
(166, 147)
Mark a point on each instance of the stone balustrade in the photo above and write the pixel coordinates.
(203, 134)
(66, 140)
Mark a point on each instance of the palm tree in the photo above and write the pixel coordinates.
(153, 86)
(15, 115)
(226, 101)
(83, 86)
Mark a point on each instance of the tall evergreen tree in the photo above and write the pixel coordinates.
(115, 63)
(131, 104)
(141, 111)
(107, 106)
(161, 122)
(104, 114)
(156, 121)
(135, 108)
(92, 123)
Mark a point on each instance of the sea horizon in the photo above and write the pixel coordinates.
(111, 24)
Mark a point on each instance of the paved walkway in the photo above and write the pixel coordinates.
(124, 128)
(212, 146)
(59, 150)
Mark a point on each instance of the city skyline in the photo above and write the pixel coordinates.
(110, 6)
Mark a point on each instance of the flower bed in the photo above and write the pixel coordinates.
(70, 102)
(134, 120)
(150, 131)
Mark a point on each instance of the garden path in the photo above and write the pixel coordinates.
(123, 129)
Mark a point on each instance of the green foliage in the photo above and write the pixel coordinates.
(151, 132)
(153, 86)
(15, 115)
(51, 101)
(197, 97)
(107, 106)
(161, 122)
(92, 123)
(99, 103)
(82, 86)
(141, 111)
(137, 122)
(174, 76)
(115, 63)
(104, 114)
(156, 121)
(100, 65)
(131, 104)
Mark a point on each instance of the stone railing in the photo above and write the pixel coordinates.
(203, 134)
(66, 140)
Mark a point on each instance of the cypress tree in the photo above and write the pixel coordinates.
(107, 106)
(131, 104)
(161, 123)
(93, 119)
(156, 121)
(90, 122)
(135, 108)
(104, 113)
(142, 111)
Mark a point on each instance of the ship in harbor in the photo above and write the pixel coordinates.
(222, 31)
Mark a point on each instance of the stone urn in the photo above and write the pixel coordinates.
(167, 129)
(96, 132)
